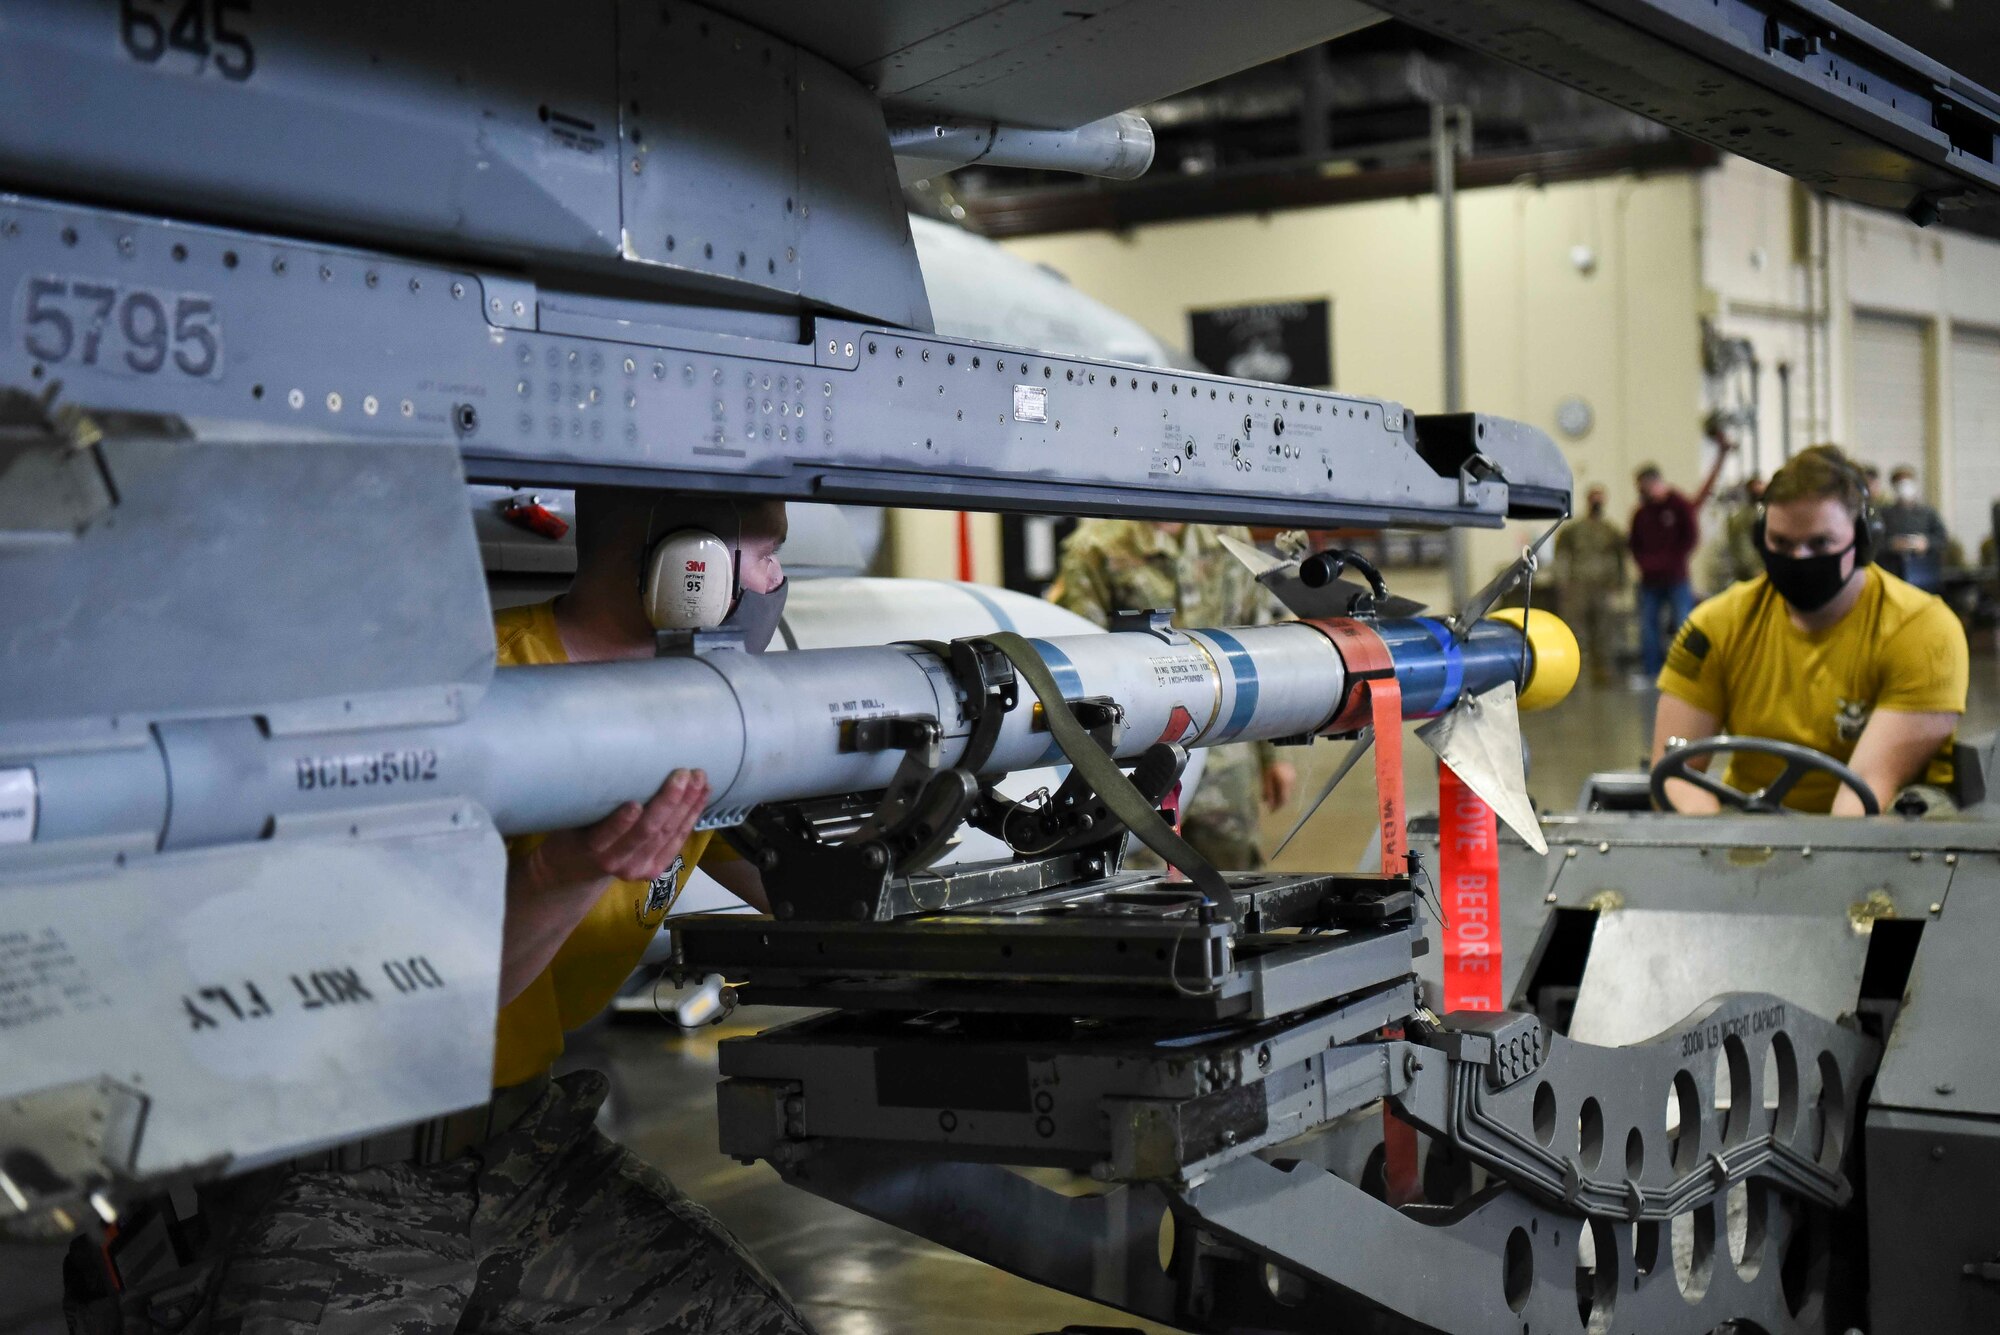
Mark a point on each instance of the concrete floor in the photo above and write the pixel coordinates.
(853, 1276)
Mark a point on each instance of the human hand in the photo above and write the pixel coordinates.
(1281, 780)
(634, 843)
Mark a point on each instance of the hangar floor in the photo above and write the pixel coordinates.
(853, 1276)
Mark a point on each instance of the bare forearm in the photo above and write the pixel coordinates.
(1690, 800)
(542, 910)
(552, 885)
(1885, 783)
(1894, 750)
(1676, 721)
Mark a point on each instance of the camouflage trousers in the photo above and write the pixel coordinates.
(547, 1226)
(1598, 626)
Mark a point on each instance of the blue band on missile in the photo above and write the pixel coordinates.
(1454, 664)
(1064, 671)
(1068, 680)
(1243, 671)
(993, 608)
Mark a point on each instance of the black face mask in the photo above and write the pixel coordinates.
(1808, 583)
(757, 615)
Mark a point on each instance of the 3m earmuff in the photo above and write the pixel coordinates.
(1864, 523)
(689, 579)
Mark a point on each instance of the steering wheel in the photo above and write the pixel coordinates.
(1799, 762)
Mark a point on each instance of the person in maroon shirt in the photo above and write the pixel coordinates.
(1662, 536)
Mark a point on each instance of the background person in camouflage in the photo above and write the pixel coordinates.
(1736, 557)
(1111, 566)
(1590, 574)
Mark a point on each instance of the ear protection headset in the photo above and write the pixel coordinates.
(689, 579)
(1864, 523)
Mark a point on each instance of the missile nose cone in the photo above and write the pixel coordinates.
(1554, 659)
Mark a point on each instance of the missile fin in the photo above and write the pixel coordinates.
(1480, 738)
(1362, 741)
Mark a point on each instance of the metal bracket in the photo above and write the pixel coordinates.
(838, 860)
(990, 691)
(1474, 473)
(1155, 621)
(917, 734)
(812, 872)
(695, 643)
(61, 1148)
(1075, 817)
(1102, 717)
(1498, 1107)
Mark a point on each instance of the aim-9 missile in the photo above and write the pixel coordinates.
(559, 746)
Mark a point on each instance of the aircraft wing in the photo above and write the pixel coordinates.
(1052, 64)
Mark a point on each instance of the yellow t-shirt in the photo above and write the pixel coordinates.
(1740, 658)
(590, 967)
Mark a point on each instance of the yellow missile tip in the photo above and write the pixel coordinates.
(1556, 660)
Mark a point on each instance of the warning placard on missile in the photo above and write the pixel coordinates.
(1179, 669)
(41, 978)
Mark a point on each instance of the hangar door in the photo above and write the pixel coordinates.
(1891, 424)
(1975, 437)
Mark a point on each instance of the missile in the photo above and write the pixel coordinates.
(553, 747)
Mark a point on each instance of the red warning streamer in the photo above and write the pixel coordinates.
(1469, 893)
(1375, 697)
(1385, 703)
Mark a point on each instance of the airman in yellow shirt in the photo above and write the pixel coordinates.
(521, 1215)
(1823, 649)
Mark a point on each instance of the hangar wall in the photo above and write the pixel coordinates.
(1619, 329)
(923, 544)
(1887, 329)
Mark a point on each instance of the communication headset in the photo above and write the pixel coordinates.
(1864, 522)
(690, 578)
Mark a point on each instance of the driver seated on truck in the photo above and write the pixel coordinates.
(1823, 649)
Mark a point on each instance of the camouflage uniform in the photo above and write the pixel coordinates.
(545, 1226)
(1739, 559)
(1111, 566)
(1590, 569)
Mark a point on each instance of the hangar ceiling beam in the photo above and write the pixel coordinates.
(1801, 86)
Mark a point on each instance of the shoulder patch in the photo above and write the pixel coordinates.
(1690, 648)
